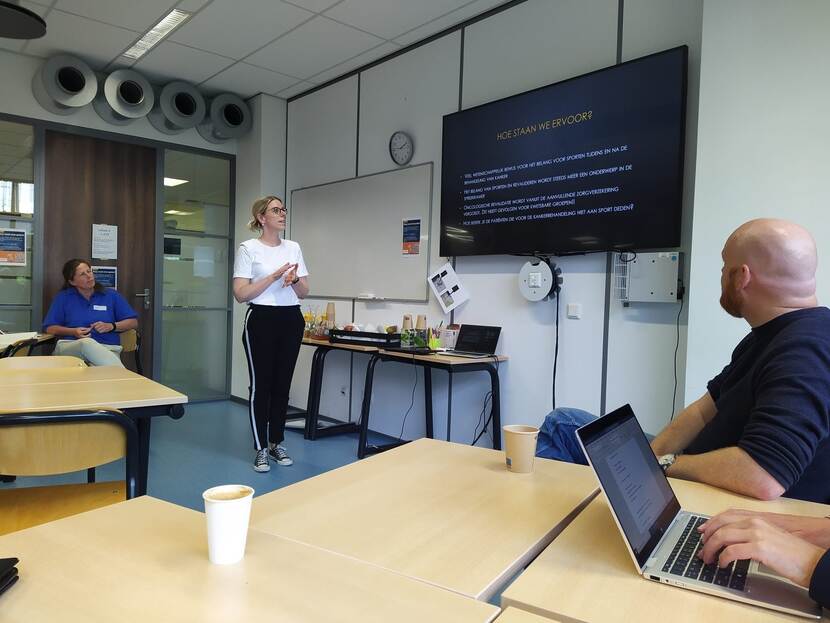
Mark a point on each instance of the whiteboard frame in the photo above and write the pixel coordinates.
(427, 254)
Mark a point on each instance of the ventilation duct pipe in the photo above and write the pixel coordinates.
(228, 117)
(179, 106)
(125, 96)
(64, 84)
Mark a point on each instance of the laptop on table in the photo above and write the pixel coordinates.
(660, 536)
(475, 341)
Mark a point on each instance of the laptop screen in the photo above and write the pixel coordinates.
(632, 479)
(476, 338)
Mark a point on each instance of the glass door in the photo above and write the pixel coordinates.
(17, 209)
(196, 277)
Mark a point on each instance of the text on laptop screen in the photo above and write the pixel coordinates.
(631, 478)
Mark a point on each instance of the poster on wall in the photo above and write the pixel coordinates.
(104, 242)
(107, 276)
(411, 236)
(447, 288)
(12, 247)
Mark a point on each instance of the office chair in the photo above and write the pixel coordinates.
(40, 443)
(39, 362)
(131, 343)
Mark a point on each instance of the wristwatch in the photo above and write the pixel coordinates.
(666, 461)
(114, 327)
(296, 281)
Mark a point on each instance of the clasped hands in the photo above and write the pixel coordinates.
(99, 327)
(288, 272)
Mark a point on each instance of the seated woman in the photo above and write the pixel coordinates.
(88, 317)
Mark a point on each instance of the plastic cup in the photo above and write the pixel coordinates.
(520, 447)
(228, 509)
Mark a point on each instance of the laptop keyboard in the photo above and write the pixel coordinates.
(683, 561)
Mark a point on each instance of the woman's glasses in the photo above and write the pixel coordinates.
(278, 210)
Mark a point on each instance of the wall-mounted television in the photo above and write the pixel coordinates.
(593, 163)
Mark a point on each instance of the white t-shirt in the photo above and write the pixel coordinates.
(255, 260)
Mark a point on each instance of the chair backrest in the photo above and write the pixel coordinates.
(54, 442)
(20, 348)
(131, 343)
(28, 363)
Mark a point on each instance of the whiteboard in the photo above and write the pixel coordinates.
(351, 234)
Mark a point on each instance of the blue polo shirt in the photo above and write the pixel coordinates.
(71, 309)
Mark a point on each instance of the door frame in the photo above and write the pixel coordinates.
(40, 126)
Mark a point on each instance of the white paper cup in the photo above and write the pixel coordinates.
(227, 508)
(520, 447)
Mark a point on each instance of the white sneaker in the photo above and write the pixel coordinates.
(261, 461)
(280, 456)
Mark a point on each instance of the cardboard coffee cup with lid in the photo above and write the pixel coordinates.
(407, 322)
(520, 447)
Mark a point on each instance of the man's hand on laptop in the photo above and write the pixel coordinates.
(751, 537)
(815, 530)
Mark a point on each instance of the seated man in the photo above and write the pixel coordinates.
(88, 317)
(761, 429)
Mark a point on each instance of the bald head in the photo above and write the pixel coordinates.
(776, 263)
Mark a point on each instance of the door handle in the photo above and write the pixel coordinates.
(146, 296)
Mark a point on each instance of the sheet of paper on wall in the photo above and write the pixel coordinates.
(104, 242)
(411, 236)
(12, 247)
(447, 288)
(204, 262)
(107, 276)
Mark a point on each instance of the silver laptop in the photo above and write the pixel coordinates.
(475, 341)
(660, 536)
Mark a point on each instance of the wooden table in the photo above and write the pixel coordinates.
(447, 514)
(451, 365)
(146, 560)
(54, 389)
(587, 574)
(514, 615)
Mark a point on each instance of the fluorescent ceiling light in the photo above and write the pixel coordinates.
(172, 181)
(178, 212)
(153, 37)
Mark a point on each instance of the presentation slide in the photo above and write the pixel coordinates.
(590, 163)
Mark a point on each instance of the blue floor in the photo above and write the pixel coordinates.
(212, 445)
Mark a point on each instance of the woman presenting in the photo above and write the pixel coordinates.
(88, 317)
(270, 275)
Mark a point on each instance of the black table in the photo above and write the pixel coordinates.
(452, 365)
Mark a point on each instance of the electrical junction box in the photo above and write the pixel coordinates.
(649, 277)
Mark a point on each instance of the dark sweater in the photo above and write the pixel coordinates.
(820, 582)
(773, 401)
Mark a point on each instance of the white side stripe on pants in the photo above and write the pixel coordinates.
(253, 381)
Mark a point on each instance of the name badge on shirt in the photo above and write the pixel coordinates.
(99, 308)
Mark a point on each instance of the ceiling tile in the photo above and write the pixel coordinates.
(224, 29)
(125, 13)
(170, 60)
(390, 19)
(298, 88)
(191, 6)
(246, 80)
(318, 6)
(353, 63)
(96, 42)
(313, 47)
(451, 19)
